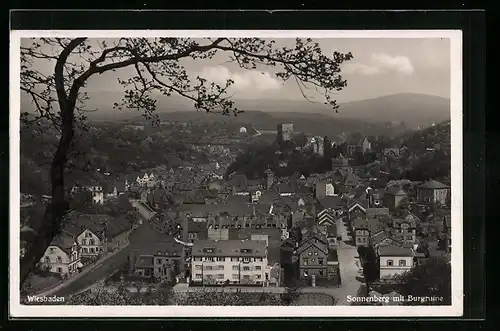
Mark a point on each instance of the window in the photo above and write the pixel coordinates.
(158, 261)
(320, 261)
(390, 263)
(258, 259)
(220, 276)
(246, 276)
(316, 253)
(246, 259)
(210, 258)
(310, 253)
(47, 259)
(59, 270)
(257, 276)
(197, 276)
(208, 267)
(88, 235)
(235, 267)
(85, 250)
(305, 261)
(220, 258)
(312, 260)
(197, 258)
(246, 268)
(220, 267)
(402, 263)
(159, 269)
(321, 272)
(92, 242)
(236, 276)
(258, 267)
(59, 259)
(234, 259)
(197, 267)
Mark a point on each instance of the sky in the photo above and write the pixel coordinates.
(380, 67)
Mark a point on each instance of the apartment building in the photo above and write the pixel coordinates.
(230, 262)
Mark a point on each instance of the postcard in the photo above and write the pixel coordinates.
(236, 173)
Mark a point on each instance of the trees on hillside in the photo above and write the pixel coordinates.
(158, 67)
(371, 268)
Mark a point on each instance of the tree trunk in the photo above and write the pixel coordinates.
(55, 210)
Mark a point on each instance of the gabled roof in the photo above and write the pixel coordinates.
(285, 188)
(64, 242)
(250, 248)
(433, 184)
(393, 250)
(373, 212)
(351, 179)
(362, 203)
(395, 190)
(331, 202)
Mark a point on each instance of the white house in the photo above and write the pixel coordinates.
(233, 261)
(92, 243)
(394, 260)
(97, 194)
(62, 256)
(330, 190)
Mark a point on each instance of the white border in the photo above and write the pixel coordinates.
(456, 309)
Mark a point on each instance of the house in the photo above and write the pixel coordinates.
(365, 145)
(229, 261)
(406, 228)
(357, 208)
(96, 234)
(313, 255)
(393, 197)
(329, 210)
(394, 260)
(62, 256)
(332, 264)
(285, 190)
(364, 229)
(391, 153)
(331, 235)
(433, 192)
(376, 198)
(154, 254)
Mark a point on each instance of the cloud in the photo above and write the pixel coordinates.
(251, 79)
(381, 63)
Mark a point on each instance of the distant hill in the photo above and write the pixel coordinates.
(412, 109)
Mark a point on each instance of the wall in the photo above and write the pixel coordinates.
(228, 268)
(388, 271)
(67, 263)
(90, 243)
(313, 267)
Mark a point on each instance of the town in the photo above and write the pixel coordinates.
(264, 217)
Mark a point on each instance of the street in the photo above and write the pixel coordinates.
(92, 276)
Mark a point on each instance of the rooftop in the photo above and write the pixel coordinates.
(433, 184)
(250, 248)
(394, 250)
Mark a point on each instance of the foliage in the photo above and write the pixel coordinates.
(371, 268)
(431, 278)
(256, 159)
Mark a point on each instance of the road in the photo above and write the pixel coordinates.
(93, 276)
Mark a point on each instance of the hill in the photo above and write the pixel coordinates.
(412, 109)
